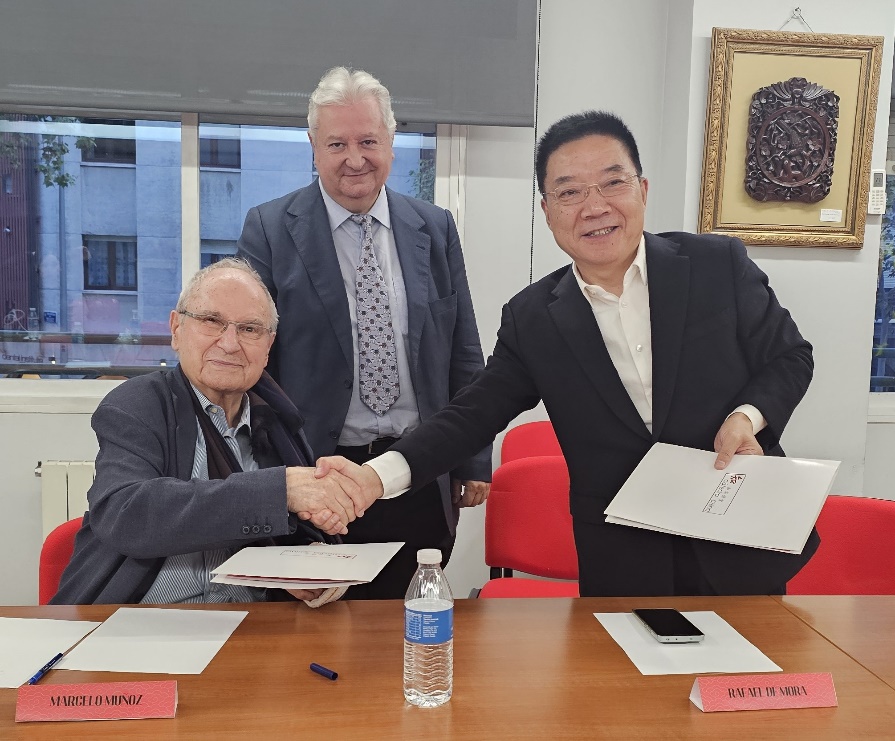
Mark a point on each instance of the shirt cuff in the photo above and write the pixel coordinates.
(393, 471)
(756, 417)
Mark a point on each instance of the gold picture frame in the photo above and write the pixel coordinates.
(743, 62)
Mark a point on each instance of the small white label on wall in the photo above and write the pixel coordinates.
(831, 214)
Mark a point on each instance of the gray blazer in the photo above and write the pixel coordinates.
(289, 242)
(143, 505)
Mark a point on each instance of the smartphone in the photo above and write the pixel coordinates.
(669, 626)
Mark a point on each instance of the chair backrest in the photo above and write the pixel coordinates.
(526, 440)
(527, 522)
(857, 549)
(54, 557)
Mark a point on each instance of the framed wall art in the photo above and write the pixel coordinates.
(788, 138)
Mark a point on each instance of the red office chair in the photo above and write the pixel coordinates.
(54, 557)
(531, 438)
(856, 553)
(528, 527)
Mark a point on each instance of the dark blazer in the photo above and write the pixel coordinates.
(289, 242)
(719, 339)
(143, 505)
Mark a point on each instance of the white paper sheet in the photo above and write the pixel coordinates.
(27, 644)
(757, 501)
(260, 581)
(155, 640)
(722, 650)
(335, 564)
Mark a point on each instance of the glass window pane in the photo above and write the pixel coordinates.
(90, 229)
(266, 162)
(882, 365)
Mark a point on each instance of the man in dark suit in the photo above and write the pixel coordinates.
(673, 338)
(377, 330)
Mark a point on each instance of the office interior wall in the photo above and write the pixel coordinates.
(648, 61)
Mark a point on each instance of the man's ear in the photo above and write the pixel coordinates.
(174, 322)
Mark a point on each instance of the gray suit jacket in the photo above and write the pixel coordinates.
(143, 505)
(289, 242)
(719, 339)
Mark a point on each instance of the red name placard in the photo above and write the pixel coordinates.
(99, 701)
(763, 692)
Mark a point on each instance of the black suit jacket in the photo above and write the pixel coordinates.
(719, 339)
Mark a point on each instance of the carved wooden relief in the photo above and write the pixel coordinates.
(791, 141)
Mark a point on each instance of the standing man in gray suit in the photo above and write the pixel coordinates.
(377, 330)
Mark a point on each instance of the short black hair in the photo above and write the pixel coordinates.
(577, 126)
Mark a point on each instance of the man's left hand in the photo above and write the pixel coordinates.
(735, 437)
(469, 493)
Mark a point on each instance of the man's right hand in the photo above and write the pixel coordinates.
(329, 503)
(369, 486)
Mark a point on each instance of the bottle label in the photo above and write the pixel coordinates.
(428, 627)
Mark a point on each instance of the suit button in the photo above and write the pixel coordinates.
(334, 434)
(348, 383)
(246, 530)
(256, 529)
(267, 528)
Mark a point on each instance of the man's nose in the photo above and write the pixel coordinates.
(354, 158)
(230, 339)
(596, 202)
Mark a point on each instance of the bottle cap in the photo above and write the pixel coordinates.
(428, 556)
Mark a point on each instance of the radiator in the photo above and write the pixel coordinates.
(63, 491)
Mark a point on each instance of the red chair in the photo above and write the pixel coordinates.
(856, 554)
(528, 528)
(54, 557)
(526, 440)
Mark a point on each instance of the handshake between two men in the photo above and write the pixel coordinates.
(333, 494)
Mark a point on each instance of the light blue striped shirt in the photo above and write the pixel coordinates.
(187, 577)
(362, 424)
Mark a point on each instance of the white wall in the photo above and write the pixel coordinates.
(648, 61)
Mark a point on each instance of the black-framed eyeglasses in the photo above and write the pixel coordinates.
(214, 326)
(571, 193)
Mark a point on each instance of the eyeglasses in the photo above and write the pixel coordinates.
(572, 193)
(214, 326)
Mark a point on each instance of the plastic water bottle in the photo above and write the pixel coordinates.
(428, 634)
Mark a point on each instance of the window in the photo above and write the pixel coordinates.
(215, 251)
(119, 147)
(219, 153)
(882, 368)
(110, 264)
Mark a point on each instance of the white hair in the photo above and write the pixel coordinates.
(344, 86)
(228, 263)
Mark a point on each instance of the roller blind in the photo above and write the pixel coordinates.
(444, 61)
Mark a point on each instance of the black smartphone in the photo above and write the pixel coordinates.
(669, 626)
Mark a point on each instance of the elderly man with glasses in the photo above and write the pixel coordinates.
(200, 460)
(644, 338)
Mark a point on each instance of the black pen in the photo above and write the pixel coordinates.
(44, 669)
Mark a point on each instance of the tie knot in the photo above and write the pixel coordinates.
(362, 219)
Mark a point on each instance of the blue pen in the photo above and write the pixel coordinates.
(44, 669)
(324, 672)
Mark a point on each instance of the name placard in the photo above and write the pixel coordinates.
(98, 701)
(763, 692)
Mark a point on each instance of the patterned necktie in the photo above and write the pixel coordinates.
(377, 356)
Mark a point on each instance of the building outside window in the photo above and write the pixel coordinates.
(92, 248)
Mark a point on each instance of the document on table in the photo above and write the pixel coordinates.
(27, 644)
(757, 501)
(306, 566)
(154, 640)
(722, 650)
